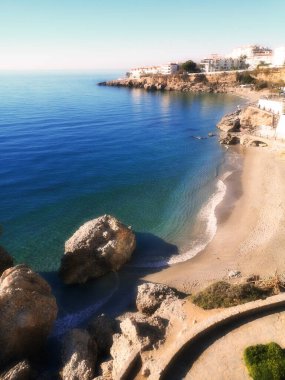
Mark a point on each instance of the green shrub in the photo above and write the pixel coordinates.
(245, 78)
(265, 361)
(223, 294)
(260, 85)
(200, 78)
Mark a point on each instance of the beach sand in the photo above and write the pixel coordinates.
(251, 227)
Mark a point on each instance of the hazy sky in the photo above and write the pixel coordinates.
(98, 34)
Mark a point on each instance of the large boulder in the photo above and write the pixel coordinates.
(99, 246)
(79, 356)
(6, 261)
(27, 313)
(150, 296)
(102, 329)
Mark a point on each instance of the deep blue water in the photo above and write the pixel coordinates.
(71, 151)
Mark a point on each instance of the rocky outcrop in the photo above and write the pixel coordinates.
(27, 313)
(248, 118)
(150, 296)
(20, 371)
(138, 333)
(102, 329)
(6, 261)
(229, 139)
(99, 246)
(230, 122)
(79, 355)
(253, 117)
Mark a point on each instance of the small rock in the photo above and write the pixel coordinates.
(150, 296)
(253, 278)
(229, 139)
(234, 274)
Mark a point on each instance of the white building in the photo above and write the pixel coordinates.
(255, 55)
(167, 69)
(275, 106)
(279, 56)
(219, 63)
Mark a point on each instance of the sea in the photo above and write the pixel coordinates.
(71, 151)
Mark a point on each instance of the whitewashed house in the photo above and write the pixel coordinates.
(167, 69)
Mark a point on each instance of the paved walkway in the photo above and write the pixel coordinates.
(223, 360)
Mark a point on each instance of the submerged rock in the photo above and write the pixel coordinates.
(79, 355)
(150, 296)
(27, 313)
(99, 246)
(6, 261)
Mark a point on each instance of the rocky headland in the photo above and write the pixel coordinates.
(187, 83)
(239, 126)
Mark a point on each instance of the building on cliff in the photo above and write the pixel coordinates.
(254, 55)
(217, 62)
(279, 56)
(167, 69)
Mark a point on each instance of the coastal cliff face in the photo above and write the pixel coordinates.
(276, 75)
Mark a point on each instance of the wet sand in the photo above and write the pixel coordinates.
(251, 227)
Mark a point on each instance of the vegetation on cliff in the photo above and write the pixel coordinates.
(223, 294)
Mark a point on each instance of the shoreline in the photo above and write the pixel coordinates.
(251, 227)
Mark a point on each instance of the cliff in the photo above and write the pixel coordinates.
(274, 75)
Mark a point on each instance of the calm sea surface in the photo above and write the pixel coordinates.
(71, 151)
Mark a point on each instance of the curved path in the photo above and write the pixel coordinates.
(224, 358)
(192, 341)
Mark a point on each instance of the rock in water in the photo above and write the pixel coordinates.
(27, 313)
(99, 246)
(79, 355)
(6, 261)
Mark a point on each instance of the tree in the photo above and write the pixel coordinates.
(190, 67)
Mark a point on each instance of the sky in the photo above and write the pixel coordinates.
(120, 34)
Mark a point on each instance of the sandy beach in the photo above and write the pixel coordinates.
(251, 227)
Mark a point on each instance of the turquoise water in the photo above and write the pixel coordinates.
(71, 151)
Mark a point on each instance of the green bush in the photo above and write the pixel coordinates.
(200, 78)
(190, 67)
(260, 85)
(223, 294)
(265, 361)
(245, 78)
